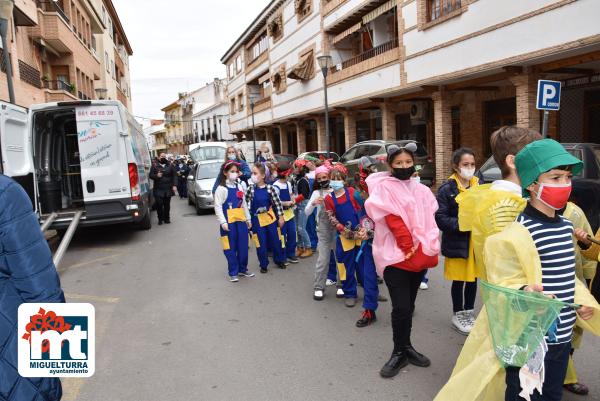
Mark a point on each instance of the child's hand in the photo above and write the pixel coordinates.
(585, 312)
(582, 236)
(249, 224)
(281, 221)
(318, 201)
(534, 288)
(225, 227)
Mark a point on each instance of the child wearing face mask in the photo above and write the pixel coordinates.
(286, 195)
(234, 218)
(534, 254)
(231, 154)
(405, 244)
(267, 218)
(325, 233)
(342, 205)
(459, 263)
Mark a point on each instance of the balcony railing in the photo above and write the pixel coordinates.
(374, 52)
(51, 6)
(59, 86)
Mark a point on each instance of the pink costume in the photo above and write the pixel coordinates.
(414, 203)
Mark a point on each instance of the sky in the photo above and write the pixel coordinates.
(178, 44)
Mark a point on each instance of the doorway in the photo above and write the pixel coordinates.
(591, 113)
(498, 113)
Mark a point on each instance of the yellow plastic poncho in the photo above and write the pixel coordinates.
(484, 212)
(586, 268)
(512, 261)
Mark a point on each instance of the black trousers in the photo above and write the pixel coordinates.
(463, 295)
(163, 207)
(403, 287)
(555, 370)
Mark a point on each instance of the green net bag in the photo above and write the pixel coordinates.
(518, 321)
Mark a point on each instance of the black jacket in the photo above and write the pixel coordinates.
(455, 243)
(163, 186)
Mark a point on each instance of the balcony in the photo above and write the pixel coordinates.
(59, 91)
(260, 105)
(378, 56)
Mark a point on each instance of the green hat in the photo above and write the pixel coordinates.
(541, 156)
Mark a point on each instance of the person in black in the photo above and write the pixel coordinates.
(182, 170)
(165, 182)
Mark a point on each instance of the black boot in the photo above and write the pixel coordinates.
(397, 361)
(416, 358)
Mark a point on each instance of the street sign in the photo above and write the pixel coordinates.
(548, 95)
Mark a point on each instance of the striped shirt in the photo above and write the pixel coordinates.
(553, 238)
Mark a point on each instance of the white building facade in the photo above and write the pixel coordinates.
(444, 72)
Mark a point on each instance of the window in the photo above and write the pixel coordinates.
(112, 68)
(259, 47)
(106, 61)
(231, 70)
(231, 108)
(439, 8)
(94, 43)
(104, 15)
(241, 102)
(238, 63)
(303, 8)
(110, 28)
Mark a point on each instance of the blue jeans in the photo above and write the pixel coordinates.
(301, 219)
(311, 229)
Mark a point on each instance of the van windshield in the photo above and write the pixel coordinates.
(208, 153)
(208, 171)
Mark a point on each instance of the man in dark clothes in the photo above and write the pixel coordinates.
(183, 170)
(165, 182)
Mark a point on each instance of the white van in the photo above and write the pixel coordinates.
(88, 156)
(205, 151)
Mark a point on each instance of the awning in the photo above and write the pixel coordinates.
(305, 68)
(382, 9)
(346, 33)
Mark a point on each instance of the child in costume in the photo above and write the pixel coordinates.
(536, 253)
(286, 195)
(267, 218)
(459, 263)
(405, 244)
(234, 218)
(303, 195)
(487, 209)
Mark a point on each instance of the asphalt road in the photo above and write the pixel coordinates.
(171, 327)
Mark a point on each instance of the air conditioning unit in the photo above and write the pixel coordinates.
(418, 113)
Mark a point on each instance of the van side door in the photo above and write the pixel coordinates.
(15, 141)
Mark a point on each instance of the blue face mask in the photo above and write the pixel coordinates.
(231, 156)
(336, 185)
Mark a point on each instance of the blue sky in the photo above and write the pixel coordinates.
(177, 45)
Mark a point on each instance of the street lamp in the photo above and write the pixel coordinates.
(6, 12)
(253, 133)
(325, 64)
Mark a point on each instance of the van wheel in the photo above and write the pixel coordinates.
(199, 211)
(146, 223)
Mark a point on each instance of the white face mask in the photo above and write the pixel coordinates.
(254, 178)
(232, 176)
(416, 179)
(467, 173)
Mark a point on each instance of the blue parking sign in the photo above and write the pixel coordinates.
(548, 95)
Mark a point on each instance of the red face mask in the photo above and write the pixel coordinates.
(554, 196)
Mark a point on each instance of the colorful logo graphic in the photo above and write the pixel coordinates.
(56, 340)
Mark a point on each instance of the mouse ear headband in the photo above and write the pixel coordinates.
(393, 150)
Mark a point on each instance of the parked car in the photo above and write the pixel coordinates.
(82, 156)
(320, 154)
(589, 153)
(378, 150)
(200, 182)
(284, 158)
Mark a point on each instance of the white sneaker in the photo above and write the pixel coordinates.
(339, 293)
(318, 295)
(471, 314)
(461, 323)
(233, 279)
(329, 282)
(424, 286)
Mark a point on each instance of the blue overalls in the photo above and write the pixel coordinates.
(235, 241)
(268, 235)
(289, 228)
(346, 250)
(366, 272)
(311, 221)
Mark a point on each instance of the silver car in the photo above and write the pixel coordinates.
(200, 183)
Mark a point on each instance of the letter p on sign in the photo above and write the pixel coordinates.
(548, 95)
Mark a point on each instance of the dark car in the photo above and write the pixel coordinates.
(378, 150)
(321, 154)
(284, 158)
(589, 153)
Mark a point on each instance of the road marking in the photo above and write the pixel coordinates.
(109, 300)
(89, 262)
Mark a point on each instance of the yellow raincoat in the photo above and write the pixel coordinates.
(484, 212)
(512, 261)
